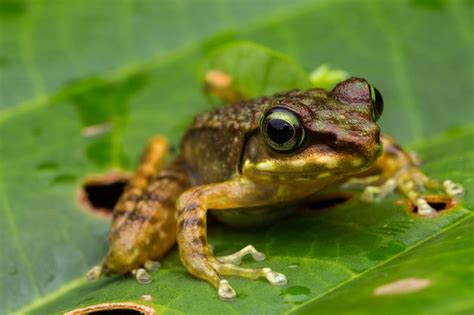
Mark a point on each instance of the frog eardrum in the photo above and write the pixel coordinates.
(282, 130)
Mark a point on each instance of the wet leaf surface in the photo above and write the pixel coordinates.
(129, 71)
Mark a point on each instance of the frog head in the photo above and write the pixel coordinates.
(316, 134)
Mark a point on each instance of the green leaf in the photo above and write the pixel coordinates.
(129, 71)
(255, 70)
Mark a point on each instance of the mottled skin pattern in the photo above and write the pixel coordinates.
(226, 165)
(144, 219)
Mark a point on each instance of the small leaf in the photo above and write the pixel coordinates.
(326, 78)
(251, 70)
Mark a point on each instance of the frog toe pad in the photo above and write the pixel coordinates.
(424, 208)
(152, 265)
(275, 278)
(94, 273)
(226, 292)
(453, 189)
(142, 276)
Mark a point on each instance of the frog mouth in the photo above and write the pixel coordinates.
(314, 165)
(316, 173)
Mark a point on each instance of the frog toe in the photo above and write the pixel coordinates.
(142, 276)
(453, 189)
(152, 265)
(424, 208)
(94, 273)
(236, 258)
(275, 278)
(377, 193)
(225, 291)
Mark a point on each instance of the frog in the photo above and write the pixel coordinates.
(248, 163)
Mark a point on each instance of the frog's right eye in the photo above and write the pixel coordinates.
(282, 130)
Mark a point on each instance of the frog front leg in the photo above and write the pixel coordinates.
(397, 168)
(192, 233)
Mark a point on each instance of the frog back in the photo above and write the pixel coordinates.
(215, 141)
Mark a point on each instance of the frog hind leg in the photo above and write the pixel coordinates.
(192, 235)
(398, 168)
(144, 219)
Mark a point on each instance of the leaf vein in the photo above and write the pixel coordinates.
(408, 249)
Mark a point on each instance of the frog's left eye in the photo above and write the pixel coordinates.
(377, 103)
(282, 130)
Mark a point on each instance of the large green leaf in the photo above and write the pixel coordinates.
(68, 65)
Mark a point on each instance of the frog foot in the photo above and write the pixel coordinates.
(412, 183)
(453, 189)
(377, 193)
(227, 266)
(216, 269)
(228, 262)
(141, 274)
(236, 258)
(226, 292)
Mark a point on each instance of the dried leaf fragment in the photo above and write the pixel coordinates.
(402, 286)
(219, 83)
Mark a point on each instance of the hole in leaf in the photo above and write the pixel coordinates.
(104, 196)
(124, 308)
(100, 193)
(328, 202)
(439, 203)
(121, 311)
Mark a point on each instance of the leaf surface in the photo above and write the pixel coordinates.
(132, 68)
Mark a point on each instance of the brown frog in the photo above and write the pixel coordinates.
(247, 162)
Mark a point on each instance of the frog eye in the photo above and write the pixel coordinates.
(377, 103)
(282, 130)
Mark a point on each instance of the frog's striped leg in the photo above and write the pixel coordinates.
(398, 168)
(192, 235)
(144, 219)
